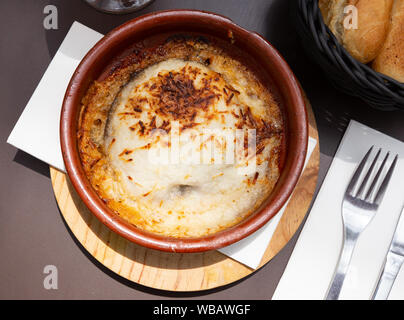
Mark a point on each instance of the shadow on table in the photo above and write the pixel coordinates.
(32, 163)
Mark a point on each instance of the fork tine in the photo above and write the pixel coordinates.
(367, 176)
(383, 187)
(357, 173)
(376, 178)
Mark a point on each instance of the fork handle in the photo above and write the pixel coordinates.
(391, 268)
(343, 265)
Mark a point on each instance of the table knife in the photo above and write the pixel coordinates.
(393, 262)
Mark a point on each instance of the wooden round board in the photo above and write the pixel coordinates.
(176, 271)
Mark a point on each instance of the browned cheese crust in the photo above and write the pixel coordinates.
(173, 96)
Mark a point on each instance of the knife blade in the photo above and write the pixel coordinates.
(393, 262)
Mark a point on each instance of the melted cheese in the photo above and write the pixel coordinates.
(180, 154)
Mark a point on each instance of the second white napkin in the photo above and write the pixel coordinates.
(314, 258)
(37, 129)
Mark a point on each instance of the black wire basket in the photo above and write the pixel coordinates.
(345, 73)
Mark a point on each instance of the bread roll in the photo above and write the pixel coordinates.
(324, 6)
(365, 42)
(333, 15)
(390, 61)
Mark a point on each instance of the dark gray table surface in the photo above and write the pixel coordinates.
(32, 231)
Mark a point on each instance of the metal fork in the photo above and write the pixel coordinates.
(358, 209)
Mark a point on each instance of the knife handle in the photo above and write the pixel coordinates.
(388, 276)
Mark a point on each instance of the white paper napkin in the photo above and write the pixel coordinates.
(314, 258)
(37, 130)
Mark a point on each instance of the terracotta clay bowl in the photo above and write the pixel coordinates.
(258, 53)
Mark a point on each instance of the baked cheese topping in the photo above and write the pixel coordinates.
(184, 148)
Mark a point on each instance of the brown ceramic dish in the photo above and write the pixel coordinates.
(265, 59)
